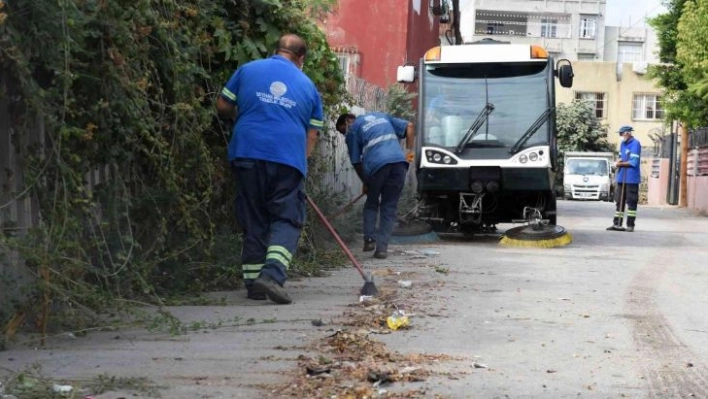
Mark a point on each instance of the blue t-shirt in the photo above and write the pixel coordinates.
(277, 103)
(630, 151)
(373, 140)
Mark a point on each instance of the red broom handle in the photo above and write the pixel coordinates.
(345, 207)
(336, 237)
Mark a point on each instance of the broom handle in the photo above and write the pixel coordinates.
(336, 237)
(345, 207)
(621, 204)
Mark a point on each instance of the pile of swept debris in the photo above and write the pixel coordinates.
(350, 363)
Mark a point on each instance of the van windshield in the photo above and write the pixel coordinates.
(596, 167)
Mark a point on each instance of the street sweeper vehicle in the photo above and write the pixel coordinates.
(486, 151)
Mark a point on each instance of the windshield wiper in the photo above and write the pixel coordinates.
(532, 129)
(472, 131)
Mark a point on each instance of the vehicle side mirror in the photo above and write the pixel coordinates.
(565, 74)
(405, 74)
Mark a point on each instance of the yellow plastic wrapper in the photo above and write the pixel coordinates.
(397, 320)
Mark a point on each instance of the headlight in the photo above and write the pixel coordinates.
(438, 157)
(533, 157)
(523, 159)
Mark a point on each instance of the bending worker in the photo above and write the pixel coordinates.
(375, 153)
(278, 113)
(628, 179)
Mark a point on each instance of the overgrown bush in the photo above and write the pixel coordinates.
(124, 90)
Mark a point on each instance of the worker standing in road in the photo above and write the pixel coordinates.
(374, 150)
(278, 113)
(628, 179)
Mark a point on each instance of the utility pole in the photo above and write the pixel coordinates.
(456, 21)
(683, 185)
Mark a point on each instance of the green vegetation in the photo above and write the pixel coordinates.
(683, 48)
(579, 129)
(30, 383)
(124, 92)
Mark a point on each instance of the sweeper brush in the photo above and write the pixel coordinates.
(536, 233)
(543, 236)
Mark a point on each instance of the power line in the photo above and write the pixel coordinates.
(620, 31)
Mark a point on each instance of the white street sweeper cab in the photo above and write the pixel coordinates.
(486, 150)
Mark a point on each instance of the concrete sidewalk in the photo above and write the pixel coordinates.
(243, 348)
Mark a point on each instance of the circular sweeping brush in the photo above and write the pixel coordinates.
(536, 236)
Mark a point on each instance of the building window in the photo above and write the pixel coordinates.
(629, 52)
(495, 28)
(344, 64)
(549, 28)
(586, 57)
(597, 100)
(587, 27)
(647, 107)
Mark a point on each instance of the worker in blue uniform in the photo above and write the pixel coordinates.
(375, 152)
(628, 179)
(278, 113)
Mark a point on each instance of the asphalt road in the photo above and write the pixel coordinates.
(611, 315)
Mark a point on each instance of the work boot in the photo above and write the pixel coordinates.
(272, 289)
(381, 254)
(629, 229)
(615, 227)
(256, 295)
(369, 245)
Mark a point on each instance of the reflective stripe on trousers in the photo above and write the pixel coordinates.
(270, 207)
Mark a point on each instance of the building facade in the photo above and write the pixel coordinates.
(571, 29)
(620, 96)
(632, 44)
(372, 38)
(610, 62)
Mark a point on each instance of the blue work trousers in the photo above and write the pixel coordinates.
(270, 207)
(384, 191)
(628, 195)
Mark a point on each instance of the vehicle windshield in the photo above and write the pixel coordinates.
(454, 96)
(595, 167)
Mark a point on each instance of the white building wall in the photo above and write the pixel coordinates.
(568, 43)
(643, 36)
(567, 13)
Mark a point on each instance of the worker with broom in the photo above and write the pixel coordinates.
(628, 179)
(278, 113)
(374, 150)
